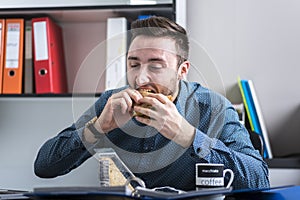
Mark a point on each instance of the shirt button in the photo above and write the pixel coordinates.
(198, 150)
(76, 143)
(146, 148)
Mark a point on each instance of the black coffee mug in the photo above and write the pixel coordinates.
(210, 175)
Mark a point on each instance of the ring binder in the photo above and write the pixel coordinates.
(48, 56)
(13, 56)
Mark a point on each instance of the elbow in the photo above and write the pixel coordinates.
(42, 171)
(43, 168)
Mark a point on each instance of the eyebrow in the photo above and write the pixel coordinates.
(132, 58)
(149, 60)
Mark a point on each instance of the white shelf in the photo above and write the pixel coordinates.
(13, 4)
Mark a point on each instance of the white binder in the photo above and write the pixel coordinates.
(116, 53)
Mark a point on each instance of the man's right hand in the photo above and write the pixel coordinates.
(117, 110)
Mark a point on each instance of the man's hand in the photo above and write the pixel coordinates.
(166, 119)
(118, 110)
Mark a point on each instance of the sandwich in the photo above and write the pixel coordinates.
(145, 93)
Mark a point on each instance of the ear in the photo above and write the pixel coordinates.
(183, 70)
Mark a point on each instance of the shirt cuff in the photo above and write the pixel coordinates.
(89, 146)
(203, 144)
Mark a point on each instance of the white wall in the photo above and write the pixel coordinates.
(26, 123)
(280, 177)
(258, 40)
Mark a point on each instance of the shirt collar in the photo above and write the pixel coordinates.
(181, 99)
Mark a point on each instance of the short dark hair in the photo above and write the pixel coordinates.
(157, 26)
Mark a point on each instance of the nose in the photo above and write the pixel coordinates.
(142, 76)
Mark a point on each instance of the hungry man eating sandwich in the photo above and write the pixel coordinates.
(160, 125)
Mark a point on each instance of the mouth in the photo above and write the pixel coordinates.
(145, 91)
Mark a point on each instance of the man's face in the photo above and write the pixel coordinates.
(152, 64)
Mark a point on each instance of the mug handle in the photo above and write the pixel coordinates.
(231, 177)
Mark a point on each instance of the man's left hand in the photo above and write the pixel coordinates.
(165, 118)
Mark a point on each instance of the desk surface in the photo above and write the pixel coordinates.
(280, 193)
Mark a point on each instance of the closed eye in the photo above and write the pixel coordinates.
(134, 65)
(155, 66)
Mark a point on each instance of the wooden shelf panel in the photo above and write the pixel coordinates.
(291, 163)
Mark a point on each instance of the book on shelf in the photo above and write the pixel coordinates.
(249, 106)
(2, 44)
(254, 114)
(116, 46)
(13, 56)
(48, 57)
(28, 62)
(261, 121)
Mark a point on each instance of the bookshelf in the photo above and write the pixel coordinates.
(84, 32)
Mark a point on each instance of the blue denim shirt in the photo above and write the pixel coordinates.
(219, 138)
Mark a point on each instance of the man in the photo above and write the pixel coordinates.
(182, 123)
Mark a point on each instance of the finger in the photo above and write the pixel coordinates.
(163, 98)
(150, 122)
(124, 96)
(119, 104)
(144, 120)
(127, 100)
(134, 94)
(149, 112)
(160, 97)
